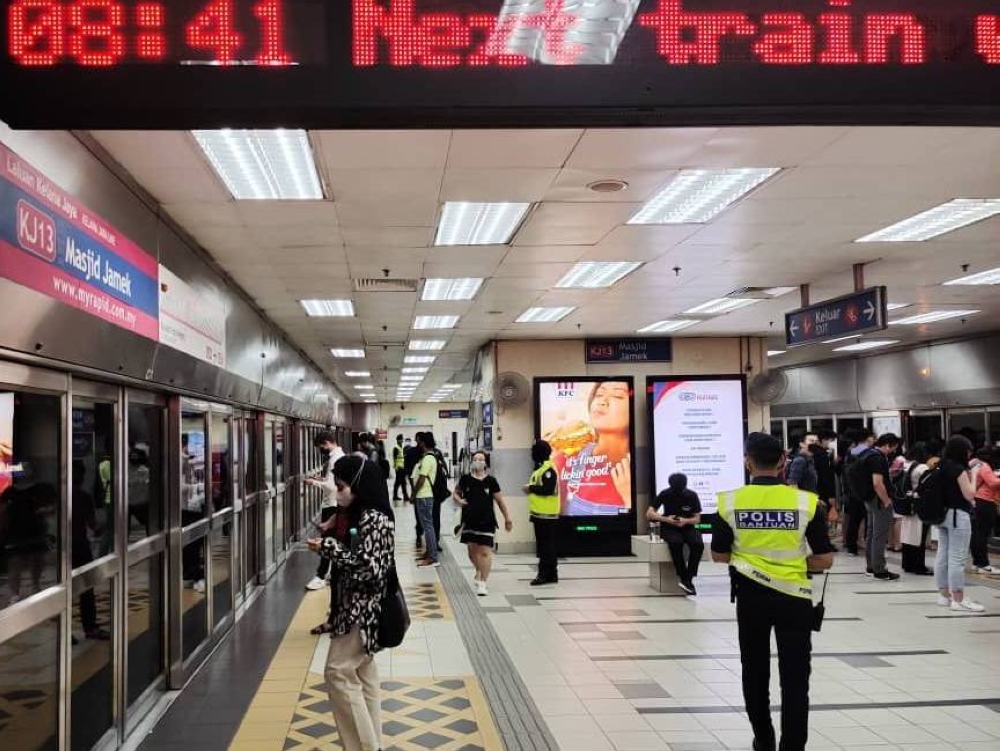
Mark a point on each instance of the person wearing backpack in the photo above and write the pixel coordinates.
(957, 496)
(868, 478)
(913, 530)
(424, 475)
(854, 507)
(987, 486)
(440, 484)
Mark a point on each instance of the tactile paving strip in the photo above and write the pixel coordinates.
(427, 602)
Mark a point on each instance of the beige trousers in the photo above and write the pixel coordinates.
(352, 682)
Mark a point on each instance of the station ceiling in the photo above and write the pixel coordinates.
(385, 194)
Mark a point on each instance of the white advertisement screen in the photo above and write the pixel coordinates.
(698, 429)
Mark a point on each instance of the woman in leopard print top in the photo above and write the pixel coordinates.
(361, 567)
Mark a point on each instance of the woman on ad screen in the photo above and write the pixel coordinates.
(594, 459)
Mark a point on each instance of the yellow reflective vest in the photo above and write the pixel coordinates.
(769, 530)
(544, 506)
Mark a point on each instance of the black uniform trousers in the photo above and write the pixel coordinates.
(856, 514)
(401, 482)
(760, 609)
(676, 538)
(546, 547)
(324, 563)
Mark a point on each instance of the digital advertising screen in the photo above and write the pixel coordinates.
(698, 427)
(589, 423)
(6, 440)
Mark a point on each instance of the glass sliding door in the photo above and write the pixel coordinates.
(221, 540)
(194, 527)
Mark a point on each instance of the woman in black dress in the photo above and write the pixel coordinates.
(476, 493)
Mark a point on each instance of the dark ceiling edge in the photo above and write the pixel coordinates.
(132, 185)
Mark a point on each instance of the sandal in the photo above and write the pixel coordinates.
(323, 628)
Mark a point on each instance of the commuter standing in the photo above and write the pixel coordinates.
(987, 496)
(826, 478)
(955, 530)
(543, 505)
(679, 508)
(439, 483)
(399, 467)
(862, 441)
(802, 470)
(913, 530)
(424, 474)
(871, 482)
(772, 535)
(327, 443)
(362, 565)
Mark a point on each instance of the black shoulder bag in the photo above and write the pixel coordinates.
(819, 610)
(394, 620)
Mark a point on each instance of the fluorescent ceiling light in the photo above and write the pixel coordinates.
(328, 308)
(867, 344)
(983, 277)
(775, 352)
(661, 327)
(358, 373)
(933, 316)
(597, 274)
(435, 322)
(419, 359)
(263, 164)
(841, 339)
(411, 379)
(451, 289)
(451, 386)
(427, 344)
(696, 196)
(897, 305)
(466, 223)
(779, 291)
(371, 401)
(543, 315)
(357, 354)
(939, 220)
(416, 370)
(721, 305)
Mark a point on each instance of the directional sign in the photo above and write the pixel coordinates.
(855, 314)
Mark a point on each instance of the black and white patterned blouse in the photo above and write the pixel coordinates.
(362, 576)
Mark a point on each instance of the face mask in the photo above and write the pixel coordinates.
(478, 466)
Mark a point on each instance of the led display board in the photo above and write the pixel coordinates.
(392, 63)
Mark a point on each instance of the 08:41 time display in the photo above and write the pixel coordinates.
(105, 33)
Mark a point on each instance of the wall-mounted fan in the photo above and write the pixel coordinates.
(511, 390)
(767, 388)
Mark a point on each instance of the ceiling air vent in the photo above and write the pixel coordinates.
(385, 285)
(759, 293)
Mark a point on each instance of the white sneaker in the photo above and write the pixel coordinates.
(315, 583)
(967, 605)
(481, 589)
(986, 569)
(199, 586)
(943, 601)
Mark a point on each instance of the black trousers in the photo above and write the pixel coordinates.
(324, 563)
(856, 514)
(914, 555)
(982, 529)
(677, 538)
(437, 521)
(758, 611)
(81, 556)
(546, 547)
(401, 482)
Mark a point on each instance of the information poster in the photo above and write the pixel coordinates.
(698, 428)
(192, 321)
(588, 422)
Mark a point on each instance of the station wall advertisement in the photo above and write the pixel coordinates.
(589, 424)
(698, 427)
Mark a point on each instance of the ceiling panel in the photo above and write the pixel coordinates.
(511, 148)
(480, 184)
(571, 185)
(649, 148)
(368, 149)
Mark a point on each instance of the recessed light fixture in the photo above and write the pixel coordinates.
(696, 196)
(721, 305)
(419, 359)
(775, 352)
(597, 274)
(932, 317)
(544, 315)
(415, 370)
(468, 223)
(451, 289)
(348, 354)
(947, 217)
(867, 344)
(435, 322)
(608, 186)
(670, 324)
(262, 164)
(982, 278)
(358, 373)
(328, 308)
(897, 305)
(427, 344)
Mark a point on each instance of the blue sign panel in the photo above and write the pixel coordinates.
(850, 315)
(487, 413)
(629, 350)
(453, 414)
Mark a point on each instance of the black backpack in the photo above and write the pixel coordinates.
(441, 491)
(929, 499)
(859, 480)
(903, 491)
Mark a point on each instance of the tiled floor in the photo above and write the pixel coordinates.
(611, 666)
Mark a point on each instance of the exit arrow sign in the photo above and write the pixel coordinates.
(850, 315)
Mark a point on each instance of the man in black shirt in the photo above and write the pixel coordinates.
(680, 510)
(878, 504)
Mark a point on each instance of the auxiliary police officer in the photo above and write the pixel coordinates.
(543, 504)
(772, 535)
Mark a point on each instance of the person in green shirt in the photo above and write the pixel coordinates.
(424, 474)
